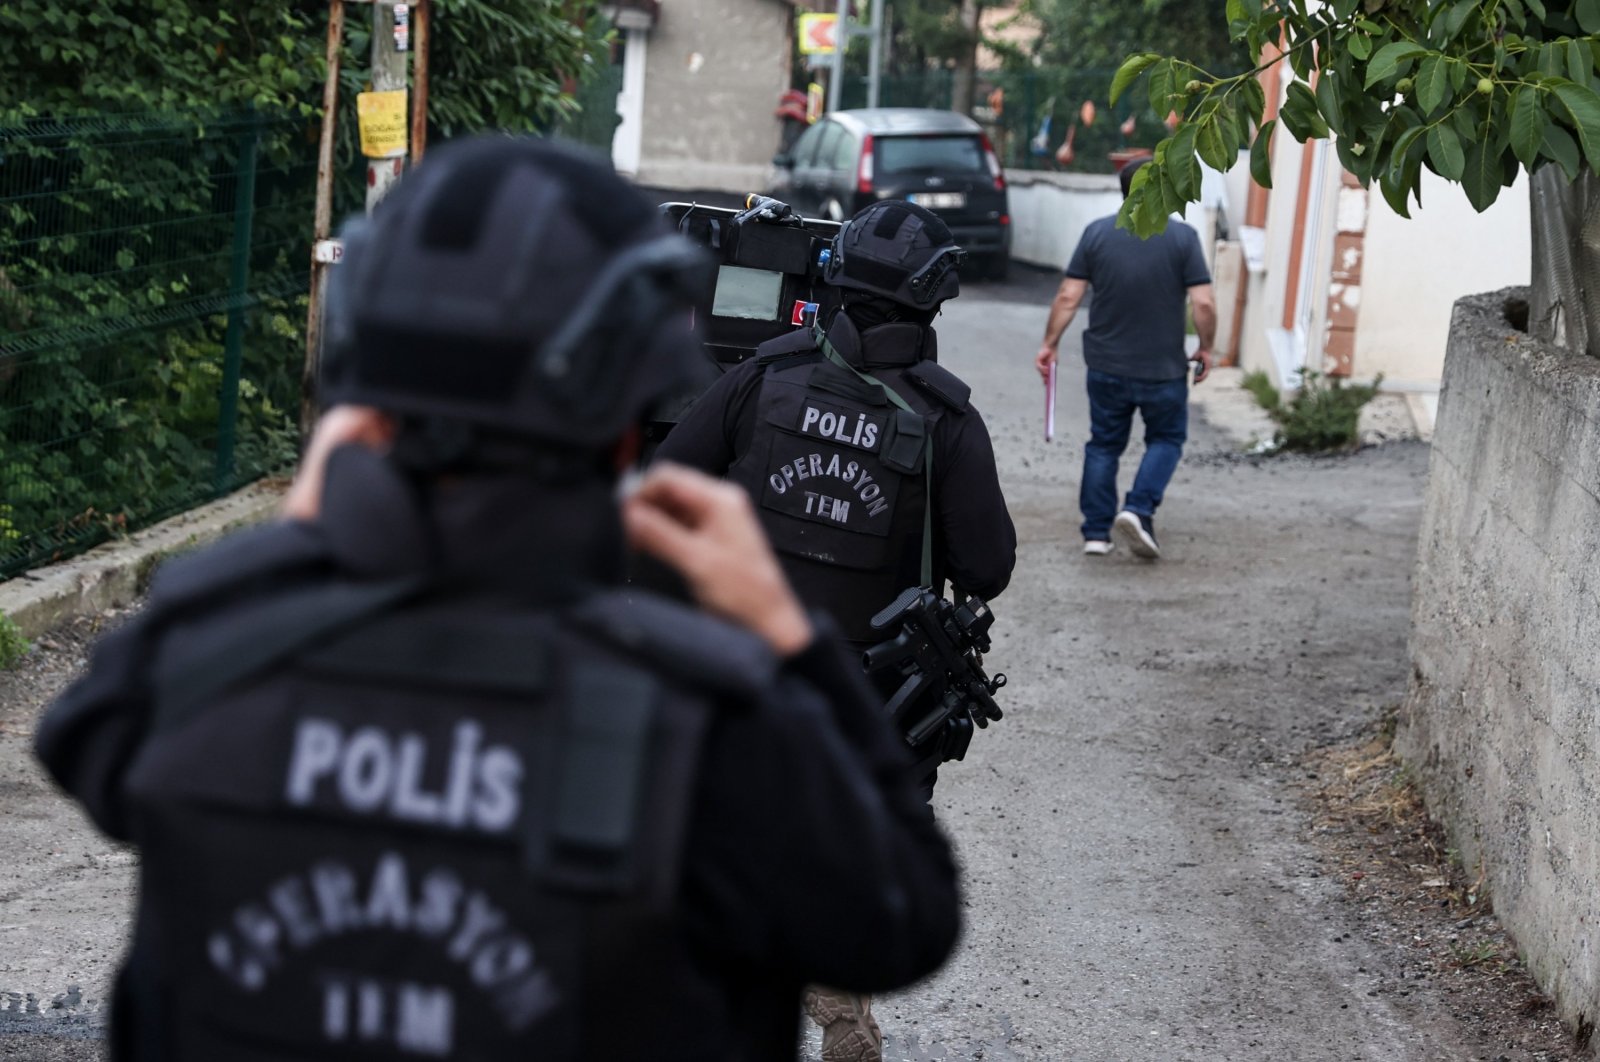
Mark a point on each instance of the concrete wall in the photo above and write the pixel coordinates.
(713, 76)
(1413, 270)
(1049, 212)
(1501, 723)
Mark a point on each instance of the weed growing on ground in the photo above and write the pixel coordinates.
(13, 646)
(1484, 951)
(1321, 416)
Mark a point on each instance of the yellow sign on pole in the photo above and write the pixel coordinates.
(383, 121)
(817, 33)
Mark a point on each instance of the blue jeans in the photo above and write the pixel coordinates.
(1164, 407)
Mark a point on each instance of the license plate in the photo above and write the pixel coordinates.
(939, 200)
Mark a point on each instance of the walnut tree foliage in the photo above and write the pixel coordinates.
(1473, 90)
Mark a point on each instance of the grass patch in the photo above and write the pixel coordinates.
(13, 646)
(1321, 416)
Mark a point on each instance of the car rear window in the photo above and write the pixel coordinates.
(930, 154)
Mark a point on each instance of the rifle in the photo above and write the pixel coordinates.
(938, 656)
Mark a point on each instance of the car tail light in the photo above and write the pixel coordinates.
(864, 171)
(995, 169)
(1005, 219)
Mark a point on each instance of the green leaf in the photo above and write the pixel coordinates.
(1389, 58)
(1560, 148)
(1457, 18)
(1481, 178)
(1579, 61)
(1433, 83)
(1444, 148)
(1261, 155)
(1171, 201)
(1551, 59)
(1584, 107)
(1161, 87)
(1301, 61)
(1181, 160)
(1587, 12)
(1255, 98)
(1357, 157)
(1300, 114)
(1397, 154)
(1130, 70)
(1527, 124)
(1150, 216)
(1537, 7)
(1212, 144)
(1327, 94)
(1360, 45)
(1237, 11)
(1394, 193)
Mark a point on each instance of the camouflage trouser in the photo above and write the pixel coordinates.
(849, 1032)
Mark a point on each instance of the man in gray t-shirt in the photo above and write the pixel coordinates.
(1134, 350)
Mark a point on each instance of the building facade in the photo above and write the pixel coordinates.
(701, 79)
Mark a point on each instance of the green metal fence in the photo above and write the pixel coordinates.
(153, 272)
(1036, 109)
(596, 119)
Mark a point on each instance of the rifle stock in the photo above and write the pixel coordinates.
(937, 654)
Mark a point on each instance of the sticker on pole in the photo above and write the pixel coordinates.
(383, 121)
(817, 33)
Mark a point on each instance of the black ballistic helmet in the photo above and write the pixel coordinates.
(515, 285)
(900, 251)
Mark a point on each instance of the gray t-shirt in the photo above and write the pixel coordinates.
(1141, 290)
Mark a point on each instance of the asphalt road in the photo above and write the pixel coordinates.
(1139, 884)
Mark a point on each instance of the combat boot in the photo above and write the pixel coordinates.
(849, 1031)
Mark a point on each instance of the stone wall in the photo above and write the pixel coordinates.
(1502, 723)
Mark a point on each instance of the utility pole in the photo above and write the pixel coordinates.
(963, 89)
(841, 44)
(324, 252)
(388, 75)
(875, 54)
(422, 20)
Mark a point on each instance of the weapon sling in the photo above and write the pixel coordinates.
(833, 355)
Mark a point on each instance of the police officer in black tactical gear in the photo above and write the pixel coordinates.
(870, 468)
(412, 778)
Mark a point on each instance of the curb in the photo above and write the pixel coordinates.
(115, 574)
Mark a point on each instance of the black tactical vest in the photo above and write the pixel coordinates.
(839, 473)
(423, 831)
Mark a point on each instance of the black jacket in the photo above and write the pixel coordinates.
(807, 854)
(974, 541)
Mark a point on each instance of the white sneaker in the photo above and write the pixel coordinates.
(1096, 548)
(1137, 533)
